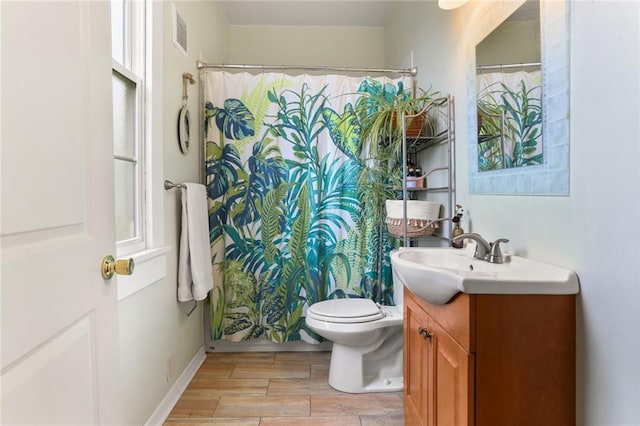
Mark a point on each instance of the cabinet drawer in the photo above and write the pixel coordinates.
(457, 317)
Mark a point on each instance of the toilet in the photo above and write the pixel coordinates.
(367, 342)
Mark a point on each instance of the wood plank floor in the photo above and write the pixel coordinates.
(277, 388)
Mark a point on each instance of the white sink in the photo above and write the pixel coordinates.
(438, 274)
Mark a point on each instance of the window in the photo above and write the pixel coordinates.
(137, 128)
(129, 115)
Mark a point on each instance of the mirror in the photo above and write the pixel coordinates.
(509, 92)
(183, 129)
(518, 106)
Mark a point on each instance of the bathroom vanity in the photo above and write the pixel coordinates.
(490, 360)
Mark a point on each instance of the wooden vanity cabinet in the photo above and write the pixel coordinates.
(490, 360)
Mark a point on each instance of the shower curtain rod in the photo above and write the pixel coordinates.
(520, 65)
(411, 71)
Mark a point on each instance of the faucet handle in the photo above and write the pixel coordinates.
(495, 254)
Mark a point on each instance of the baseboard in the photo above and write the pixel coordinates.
(163, 409)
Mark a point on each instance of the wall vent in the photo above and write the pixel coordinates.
(179, 31)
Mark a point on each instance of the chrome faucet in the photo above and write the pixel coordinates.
(495, 254)
(482, 245)
(484, 250)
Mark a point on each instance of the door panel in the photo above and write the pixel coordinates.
(59, 324)
(43, 377)
(453, 381)
(417, 356)
(35, 114)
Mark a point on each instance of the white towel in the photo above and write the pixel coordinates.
(195, 274)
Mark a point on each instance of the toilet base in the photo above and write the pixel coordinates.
(374, 368)
(392, 384)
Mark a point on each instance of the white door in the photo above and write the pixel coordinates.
(59, 356)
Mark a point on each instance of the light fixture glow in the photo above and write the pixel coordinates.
(450, 4)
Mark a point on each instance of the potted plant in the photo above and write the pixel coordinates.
(381, 140)
(378, 111)
(380, 152)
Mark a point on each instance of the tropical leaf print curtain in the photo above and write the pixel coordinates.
(286, 223)
(516, 141)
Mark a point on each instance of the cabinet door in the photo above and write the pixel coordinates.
(453, 380)
(417, 357)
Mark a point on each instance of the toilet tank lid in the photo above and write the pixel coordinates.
(346, 308)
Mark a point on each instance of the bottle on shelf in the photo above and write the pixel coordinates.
(411, 168)
(411, 173)
(420, 180)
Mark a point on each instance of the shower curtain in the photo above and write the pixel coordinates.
(517, 95)
(286, 223)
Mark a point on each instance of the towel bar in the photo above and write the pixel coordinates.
(170, 185)
(195, 305)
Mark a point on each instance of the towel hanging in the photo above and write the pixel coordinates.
(195, 273)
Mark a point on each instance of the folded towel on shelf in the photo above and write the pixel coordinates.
(195, 274)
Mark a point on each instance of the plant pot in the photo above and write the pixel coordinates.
(415, 181)
(415, 125)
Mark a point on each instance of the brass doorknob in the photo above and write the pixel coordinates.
(111, 266)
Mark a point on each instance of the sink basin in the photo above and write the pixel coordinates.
(438, 274)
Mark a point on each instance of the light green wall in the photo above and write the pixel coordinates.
(424, 29)
(154, 327)
(318, 46)
(513, 42)
(594, 230)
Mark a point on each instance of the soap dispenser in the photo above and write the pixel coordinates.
(457, 227)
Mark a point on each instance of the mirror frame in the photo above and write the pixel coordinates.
(552, 177)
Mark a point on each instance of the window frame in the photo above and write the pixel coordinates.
(134, 69)
(150, 257)
(138, 241)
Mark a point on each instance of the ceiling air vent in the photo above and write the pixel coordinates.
(179, 31)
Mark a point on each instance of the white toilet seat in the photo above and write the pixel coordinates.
(346, 311)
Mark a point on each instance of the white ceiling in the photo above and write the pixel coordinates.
(368, 13)
(307, 12)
